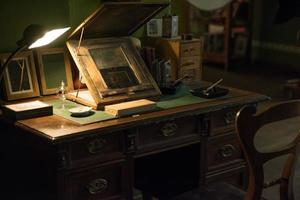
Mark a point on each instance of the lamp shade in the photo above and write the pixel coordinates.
(209, 5)
(32, 33)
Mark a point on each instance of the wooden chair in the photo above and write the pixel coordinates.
(247, 123)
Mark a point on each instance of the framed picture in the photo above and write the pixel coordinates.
(154, 28)
(53, 68)
(20, 79)
(240, 45)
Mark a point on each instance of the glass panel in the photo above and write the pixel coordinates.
(114, 67)
(55, 69)
(18, 75)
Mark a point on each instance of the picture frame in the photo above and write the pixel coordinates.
(53, 68)
(240, 45)
(155, 28)
(20, 78)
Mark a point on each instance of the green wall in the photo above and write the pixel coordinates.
(16, 15)
(276, 42)
(283, 33)
(80, 9)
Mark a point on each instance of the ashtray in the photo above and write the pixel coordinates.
(213, 93)
(80, 111)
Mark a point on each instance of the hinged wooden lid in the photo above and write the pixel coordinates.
(117, 19)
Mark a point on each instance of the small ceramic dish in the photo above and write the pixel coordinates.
(80, 111)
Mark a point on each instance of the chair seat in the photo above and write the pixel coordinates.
(217, 191)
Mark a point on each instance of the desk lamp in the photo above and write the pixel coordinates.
(34, 36)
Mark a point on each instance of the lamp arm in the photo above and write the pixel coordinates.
(12, 55)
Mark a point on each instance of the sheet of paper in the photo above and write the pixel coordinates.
(27, 106)
(84, 95)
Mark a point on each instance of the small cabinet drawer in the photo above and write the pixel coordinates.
(223, 120)
(190, 49)
(164, 133)
(95, 149)
(190, 62)
(195, 73)
(223, 151)
(104, 182)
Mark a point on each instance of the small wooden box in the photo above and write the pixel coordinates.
(106, 57)
(26, 110)
(130, 107)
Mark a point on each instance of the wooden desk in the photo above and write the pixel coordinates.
(163, 151)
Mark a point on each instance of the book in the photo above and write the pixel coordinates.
(130, 107)
(26, 110)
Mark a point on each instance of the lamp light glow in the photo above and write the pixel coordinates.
(49, 37)
(34, 36)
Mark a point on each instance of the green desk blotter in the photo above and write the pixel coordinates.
(96, 116)
(182, 98)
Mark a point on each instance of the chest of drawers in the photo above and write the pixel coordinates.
(185, 56)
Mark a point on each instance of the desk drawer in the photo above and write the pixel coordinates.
(104, 182)
(223, 151)
(95, 149)
(190, 49)
(223, 120)
(165, 133)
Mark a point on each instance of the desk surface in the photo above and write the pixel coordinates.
(56, 129)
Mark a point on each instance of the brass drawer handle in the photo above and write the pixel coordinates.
(227, 150)
(96, 146)
(169, 129)
(97, 186)
(229, 117)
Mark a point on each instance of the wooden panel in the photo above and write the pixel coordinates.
(167, 133)
(222, 151)
(96, 183)
(96, 149)
(233, 175)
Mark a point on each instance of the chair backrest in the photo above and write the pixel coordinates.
(247, 123)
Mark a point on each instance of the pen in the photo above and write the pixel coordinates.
(213, 85)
